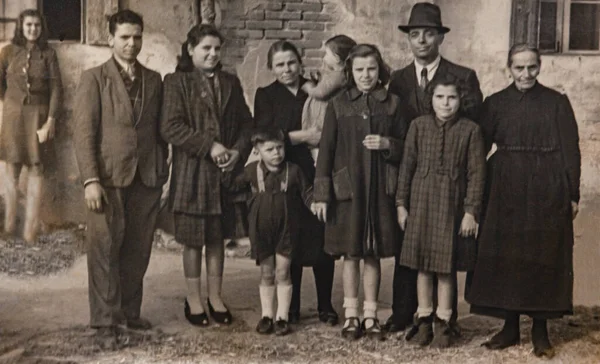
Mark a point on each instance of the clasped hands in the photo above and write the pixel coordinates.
(224, 158)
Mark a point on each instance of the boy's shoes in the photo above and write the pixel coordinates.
(265, 326)
(422, 331)
(329, 317)
(442, 334)
(281, 327)
(293, 317)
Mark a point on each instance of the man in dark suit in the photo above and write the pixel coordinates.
(122, 161)
(425, 35)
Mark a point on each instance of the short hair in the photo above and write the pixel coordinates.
(263, 135)
(281, 46)
(340, 45)
(122, 17)
(447, 80)
(19, 38)
(194, 37)
(522, 47)
(366, 50)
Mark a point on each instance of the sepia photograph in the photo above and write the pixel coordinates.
(171, 170)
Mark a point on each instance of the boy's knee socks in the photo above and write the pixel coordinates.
(267, 297)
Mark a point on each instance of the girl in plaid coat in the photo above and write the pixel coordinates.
(440, 189)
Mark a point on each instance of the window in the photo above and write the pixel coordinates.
(68, 20)
(63, 18)
(558, 26)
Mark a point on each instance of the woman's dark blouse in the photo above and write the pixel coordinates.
(275, 106)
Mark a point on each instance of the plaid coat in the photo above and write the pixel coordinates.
(193, 118)
(441, 177)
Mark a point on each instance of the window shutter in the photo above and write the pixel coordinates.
(524, 23)
(96, 20)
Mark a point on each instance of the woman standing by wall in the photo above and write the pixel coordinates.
(525, 258)
(31, 90)
(207, 121)
(279, 106)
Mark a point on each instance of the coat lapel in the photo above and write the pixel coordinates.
(441, 71)
(226, 87)
(116, 82)
(410, 79)
(205, 91)
(146, 88)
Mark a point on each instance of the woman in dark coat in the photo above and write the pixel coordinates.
(279, 105)
(207, 121)
(525, 259)
(31, 91)
(356, 177)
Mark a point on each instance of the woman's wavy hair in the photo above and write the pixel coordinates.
(366, 50)
(194, 37)
(19, 38)
(447, 80)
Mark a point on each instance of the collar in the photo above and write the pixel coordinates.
(532, 93)
(300, 92)
(448, 124)
(379, 93)
(431, 68)
(122, 66)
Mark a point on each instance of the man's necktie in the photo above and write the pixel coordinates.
(424, 79)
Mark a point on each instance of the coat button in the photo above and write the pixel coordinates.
(365, 116)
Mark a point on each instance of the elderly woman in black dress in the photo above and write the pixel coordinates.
(279, 105)
(31, 91)
(525, 259)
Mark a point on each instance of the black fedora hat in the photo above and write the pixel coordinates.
(424, 15)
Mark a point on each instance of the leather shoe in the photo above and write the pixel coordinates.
(329, 317)
(220, 317)
(106, 338)
(282, 327)
(138, 324)
(196, 320)
(392, 325)
(265, 326)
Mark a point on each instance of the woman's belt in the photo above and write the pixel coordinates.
(526, 149)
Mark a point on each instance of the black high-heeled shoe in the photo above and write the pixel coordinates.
(196, 320)
(224, 318)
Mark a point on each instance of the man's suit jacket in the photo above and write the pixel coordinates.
(404, 83)
(110, 143)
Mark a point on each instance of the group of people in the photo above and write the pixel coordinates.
(355, 162)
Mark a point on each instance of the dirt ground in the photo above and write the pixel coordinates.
(43, 320)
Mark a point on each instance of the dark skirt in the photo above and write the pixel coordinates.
(525, 252)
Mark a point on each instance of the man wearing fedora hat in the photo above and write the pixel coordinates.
(425, 35)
